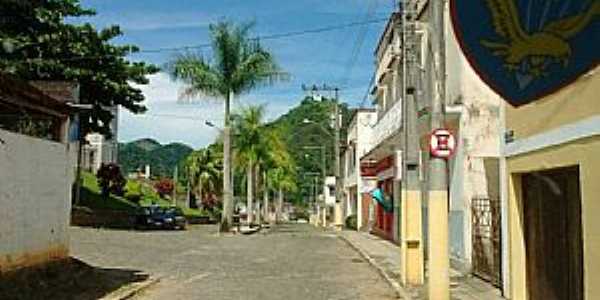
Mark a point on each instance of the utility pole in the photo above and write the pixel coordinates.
(412, 256)
(338, 210)
(439, 277)
(175, 186)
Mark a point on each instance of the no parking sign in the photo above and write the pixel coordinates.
(442, 143)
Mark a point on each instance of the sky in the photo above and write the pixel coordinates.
(342, 57)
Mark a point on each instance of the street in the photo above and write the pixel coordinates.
(289, 262)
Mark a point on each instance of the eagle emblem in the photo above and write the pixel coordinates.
(526, 49)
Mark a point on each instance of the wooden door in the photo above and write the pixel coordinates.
(553, 240)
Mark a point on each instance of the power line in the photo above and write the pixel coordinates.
(366, 96)
(173, 116)
(208, 45)
(360, 39)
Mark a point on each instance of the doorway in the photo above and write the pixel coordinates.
(553, 235)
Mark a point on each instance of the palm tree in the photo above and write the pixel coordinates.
(279, 170)
(204, 171)
(239, 65)
(249, 147)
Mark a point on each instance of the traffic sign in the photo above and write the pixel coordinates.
(442, 143)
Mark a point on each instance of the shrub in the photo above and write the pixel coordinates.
(351, 222)
(134, 192)
(110, 180)
(164, 187)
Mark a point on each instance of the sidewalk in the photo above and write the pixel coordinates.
(385, 256)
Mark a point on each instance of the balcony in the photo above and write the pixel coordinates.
(388, 124)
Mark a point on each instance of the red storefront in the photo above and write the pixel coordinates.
(384, 220)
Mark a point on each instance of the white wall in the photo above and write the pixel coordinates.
(35, 200)
(478, 138)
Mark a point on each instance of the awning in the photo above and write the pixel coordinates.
(380, 198)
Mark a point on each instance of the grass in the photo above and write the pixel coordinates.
(92, 198)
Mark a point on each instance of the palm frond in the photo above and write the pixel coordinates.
(200, 77)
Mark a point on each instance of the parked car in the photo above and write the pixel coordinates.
(160, 218)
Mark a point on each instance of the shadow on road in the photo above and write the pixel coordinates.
(71, 279)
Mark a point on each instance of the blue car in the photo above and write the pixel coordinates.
(160, 218)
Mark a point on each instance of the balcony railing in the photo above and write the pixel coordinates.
(387, 125)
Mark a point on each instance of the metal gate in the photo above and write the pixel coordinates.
(486, 254)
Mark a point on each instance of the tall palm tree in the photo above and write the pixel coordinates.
(282, 178)
(204, 169)
(239, 65)
(249, 147)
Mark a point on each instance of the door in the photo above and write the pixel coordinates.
(553, 237)
(485, 213)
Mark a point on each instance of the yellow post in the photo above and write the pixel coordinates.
(439, 262)
(412, 271)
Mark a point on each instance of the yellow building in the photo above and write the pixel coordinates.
(553, 194)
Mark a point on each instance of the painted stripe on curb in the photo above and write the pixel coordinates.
(400, 292)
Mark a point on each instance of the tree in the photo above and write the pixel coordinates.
(37, 44)
(282, 172)
(204, 168)
(239, 65)
(110, 180)
(249, 148)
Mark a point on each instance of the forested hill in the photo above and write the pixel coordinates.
(302, 137)
(161, 158)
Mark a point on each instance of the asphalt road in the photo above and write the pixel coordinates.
(289, 262)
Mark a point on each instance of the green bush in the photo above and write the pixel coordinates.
(133, 191)
(351, 222)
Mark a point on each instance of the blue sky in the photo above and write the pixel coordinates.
(312, 58)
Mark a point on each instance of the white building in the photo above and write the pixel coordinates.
(329, 191)
(99, 149)
(356, 179)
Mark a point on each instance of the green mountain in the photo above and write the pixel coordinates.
(303, 138)
(161, 158)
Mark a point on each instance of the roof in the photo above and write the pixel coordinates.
(388, 29)
(19, 93)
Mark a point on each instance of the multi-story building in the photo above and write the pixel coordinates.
(100, 149)
(382, 157)
(357, 182)
(406, 81)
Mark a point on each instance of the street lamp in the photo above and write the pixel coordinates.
(337, 170)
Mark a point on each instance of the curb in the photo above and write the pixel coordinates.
(132, 290)
(400, 292)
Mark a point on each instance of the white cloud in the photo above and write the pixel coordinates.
(169, 121)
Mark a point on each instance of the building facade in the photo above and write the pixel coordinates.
(552, 166)
(100, 149)
(37, 169)
(357, 182)
(406, 80)
(382, 156)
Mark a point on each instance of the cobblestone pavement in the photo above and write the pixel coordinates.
(289, 262)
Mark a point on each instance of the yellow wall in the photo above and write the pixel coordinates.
(574, 103)
(571, 104)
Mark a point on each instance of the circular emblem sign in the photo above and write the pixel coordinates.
(527, 49)
(442, 143)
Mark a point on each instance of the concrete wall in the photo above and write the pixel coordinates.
(538, 129)
(35, 196)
